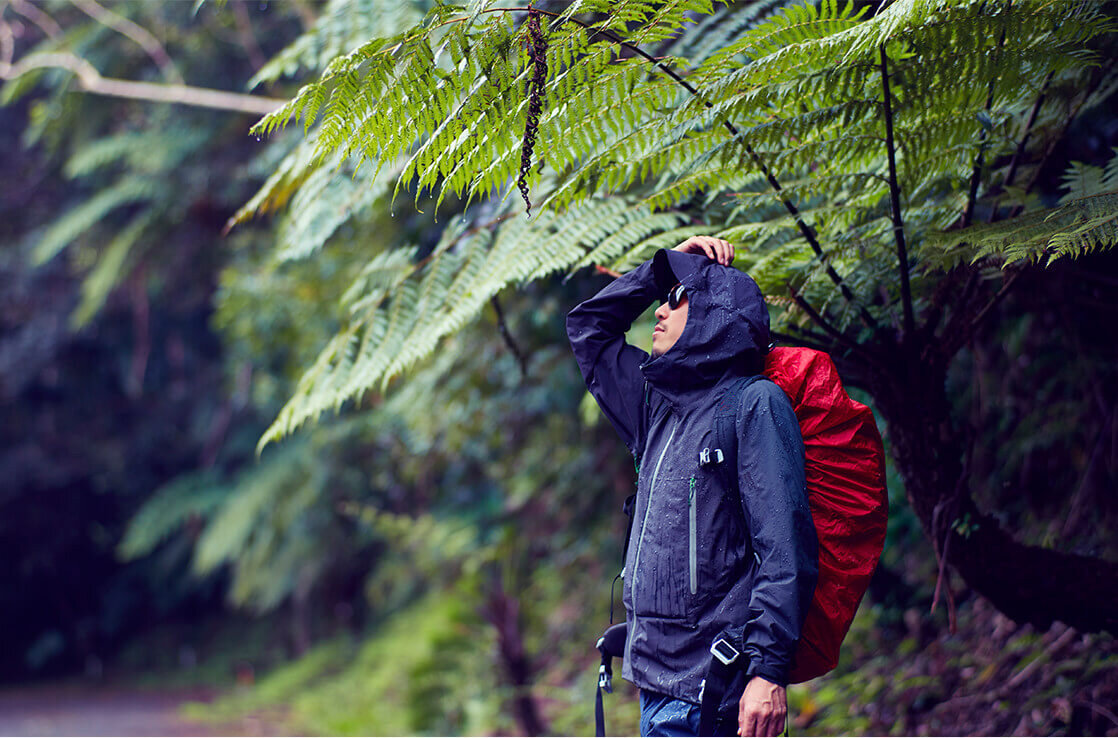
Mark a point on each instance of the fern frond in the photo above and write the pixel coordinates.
(400, 311)
(189, 497)
(627, 156)
(284, 180)
(142, 152)
(83, 217)
(112, 263)
(1073, 229)
(228, 532)
(341, 26)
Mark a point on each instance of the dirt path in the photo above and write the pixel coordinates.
(99, 711)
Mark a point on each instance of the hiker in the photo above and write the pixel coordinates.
(716, 583)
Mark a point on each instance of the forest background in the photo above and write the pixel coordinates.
(291, 414)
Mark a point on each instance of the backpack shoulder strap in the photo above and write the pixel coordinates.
(724, 657)
(725, 432)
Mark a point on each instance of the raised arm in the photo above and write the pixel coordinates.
(611, 367)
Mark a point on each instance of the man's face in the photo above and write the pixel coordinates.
(669, 322)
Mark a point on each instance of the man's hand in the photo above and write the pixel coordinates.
(762, 709)
(715, 248)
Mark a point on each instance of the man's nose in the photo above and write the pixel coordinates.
(662, 312)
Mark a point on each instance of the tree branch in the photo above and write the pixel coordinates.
(248, 37)
(1011, 174)
(981, 315)
(37, 16)
(798, 341)
(935, 314)
(895, 197)
(976, 173)
(91, 81)
(506, 334)
(822, 322)
(137, 33)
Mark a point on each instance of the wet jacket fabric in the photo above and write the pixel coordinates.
(702, 560)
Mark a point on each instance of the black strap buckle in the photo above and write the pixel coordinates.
(605, 679)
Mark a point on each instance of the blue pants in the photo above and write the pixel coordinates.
(662, 715)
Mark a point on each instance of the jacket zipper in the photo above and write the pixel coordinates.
(644, 520)
(692, 547)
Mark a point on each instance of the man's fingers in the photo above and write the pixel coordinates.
(715, 253)
(755, 722)
(725, 252)
(760, 722)
(747, 724)
(715, 249)
(775, 724)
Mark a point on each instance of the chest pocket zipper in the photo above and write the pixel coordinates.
(692, 542)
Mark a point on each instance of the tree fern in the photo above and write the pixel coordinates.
(796, 93)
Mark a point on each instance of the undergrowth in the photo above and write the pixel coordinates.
(431, 670)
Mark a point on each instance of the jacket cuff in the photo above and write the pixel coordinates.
(769, 673)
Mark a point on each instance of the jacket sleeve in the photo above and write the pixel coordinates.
(774, 498)
(596, 329)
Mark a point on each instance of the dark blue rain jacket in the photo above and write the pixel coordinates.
(702, 561)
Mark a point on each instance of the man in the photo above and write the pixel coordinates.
(705, 564)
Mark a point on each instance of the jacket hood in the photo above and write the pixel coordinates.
(727, 329)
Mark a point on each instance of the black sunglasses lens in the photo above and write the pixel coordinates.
(676, 295)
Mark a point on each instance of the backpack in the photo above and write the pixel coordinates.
(844, 464)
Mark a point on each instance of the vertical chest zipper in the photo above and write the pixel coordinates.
(692, 543)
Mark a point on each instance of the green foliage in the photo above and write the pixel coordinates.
(135, 185)
(82, 218)
(423, 673)
(189, 498)
(386, 334)
(481, 476)
(1075, 228)
(274, 524)
(1086, 220)
(438, 106)
(341, 25)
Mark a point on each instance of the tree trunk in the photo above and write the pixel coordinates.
(1027, 583)
(503, 613)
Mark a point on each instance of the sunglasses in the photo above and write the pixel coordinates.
(676, 295)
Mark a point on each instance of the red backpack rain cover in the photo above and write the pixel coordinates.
(845, 469)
